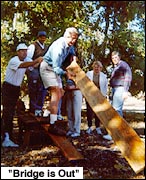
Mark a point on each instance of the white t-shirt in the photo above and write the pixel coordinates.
(15, 75)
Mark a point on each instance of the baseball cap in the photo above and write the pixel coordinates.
(42, 33)
(21, 46)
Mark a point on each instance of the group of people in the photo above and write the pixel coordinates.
(120, 82)
(44, 68)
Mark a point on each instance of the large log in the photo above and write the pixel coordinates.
(124, 136)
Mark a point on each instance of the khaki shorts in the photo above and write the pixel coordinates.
(49, 77)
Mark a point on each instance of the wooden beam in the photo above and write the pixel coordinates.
(65, 145)
(126, 139)
(67, 148)
(29, 122)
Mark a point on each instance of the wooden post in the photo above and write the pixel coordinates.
(126, 139)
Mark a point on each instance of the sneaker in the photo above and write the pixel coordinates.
(9, 143)
(89, 130)
(59, 117)
(46, 113)
(74, 135)
(38, 112)
(56, 130)
(107, 137)
(98, 130)
(69, 133)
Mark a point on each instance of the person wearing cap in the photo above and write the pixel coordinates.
(11, 90)
(37, 92)
(51, 71)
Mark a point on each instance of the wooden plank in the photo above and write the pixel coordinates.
(126, 139)
(65, 146)
(69, 151)
(62, 142)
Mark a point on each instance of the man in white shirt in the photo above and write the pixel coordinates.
(11, 90)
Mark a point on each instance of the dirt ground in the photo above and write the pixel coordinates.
(102, 159)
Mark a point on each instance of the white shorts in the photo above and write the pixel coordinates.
(49, 77)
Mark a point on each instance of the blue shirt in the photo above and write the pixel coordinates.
(57, 53)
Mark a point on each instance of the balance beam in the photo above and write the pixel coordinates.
(65, 146)
(68, 150)
(126, 139)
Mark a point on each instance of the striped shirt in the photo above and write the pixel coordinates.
(121, 75)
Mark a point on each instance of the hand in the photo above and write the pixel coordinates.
(70, 75)
(75, 58)
(39, 59)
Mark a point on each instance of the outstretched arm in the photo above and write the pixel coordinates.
(35, 63)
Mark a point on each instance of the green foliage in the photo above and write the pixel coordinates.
(104, 26)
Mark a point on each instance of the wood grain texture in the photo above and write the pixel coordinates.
(124, 136)
(69, 151)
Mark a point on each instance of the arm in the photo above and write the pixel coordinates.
(31, 63)
(105, 85)
(127, 82)
(128, 78)
(57, 61)
(54, 57)
(73, 53)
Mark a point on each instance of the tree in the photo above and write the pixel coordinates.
(104, 26)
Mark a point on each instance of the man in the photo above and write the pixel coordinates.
(11, 90)
(37, 92)
(100, 80)
(120, 81)
(51, 71)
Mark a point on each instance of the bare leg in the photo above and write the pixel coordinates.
(55, 97)
(56, 94)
